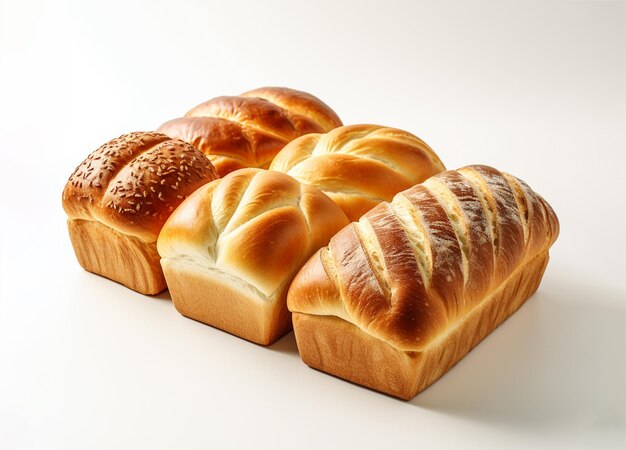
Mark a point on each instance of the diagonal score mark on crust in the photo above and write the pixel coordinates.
(214, 207)
(522, 205)
(449, 203)
(243, 200)
(315, 112)
(481, 189)
(304, 216)
(261, 213)
(119, 168)
(308, 149)
(330, 267)
(371, 247)
(324, 146)
(387, 162)
(250, 123)
(399, 136)
(413, 227)
(347, 148)
(335, 190)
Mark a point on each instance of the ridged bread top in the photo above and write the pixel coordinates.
(253, 226)
(133, 183)
(409, 269)
(359, 166)
(248, 130)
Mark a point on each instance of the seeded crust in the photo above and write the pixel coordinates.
(248, 130)
(133, 183)
(359, 166)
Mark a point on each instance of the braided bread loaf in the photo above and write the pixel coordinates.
(250, 129)
(120, 196)
(359, 166)
(399, 297)
(231, 249)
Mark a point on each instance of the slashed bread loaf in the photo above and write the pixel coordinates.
(230, 251)
(398, 297)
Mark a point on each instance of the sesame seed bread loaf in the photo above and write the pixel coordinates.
(397, 298)
(248, 130)
(359, 166)
(120, 196)
(230, 251)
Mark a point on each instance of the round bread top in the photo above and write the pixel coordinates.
(248, 130)
(359, 166)
(410, 269)
(253, 226)
(133, 183)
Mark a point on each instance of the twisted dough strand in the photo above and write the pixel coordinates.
(359, 166)
(235, 132)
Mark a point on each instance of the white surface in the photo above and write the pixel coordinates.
(537, 89)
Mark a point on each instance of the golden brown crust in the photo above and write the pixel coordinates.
(233, 307)
(256, 228)
(359, 166)
(336, 346)
(248, 130)
(117, 256)
(300, 106)
(133, 183)
(411, 269)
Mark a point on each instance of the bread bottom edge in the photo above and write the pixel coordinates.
(117, 256)
(215, 299)
(338, 347)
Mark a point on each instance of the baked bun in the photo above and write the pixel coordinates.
(359, 166)
(118, 199)
(248, 130)
(231, 249)
(400, 296)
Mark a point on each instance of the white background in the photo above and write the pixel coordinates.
(534, 88)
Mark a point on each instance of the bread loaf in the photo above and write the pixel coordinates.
(397, 298)
(118, 199)
(230, 251)
(248, 130)
(359, 166)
